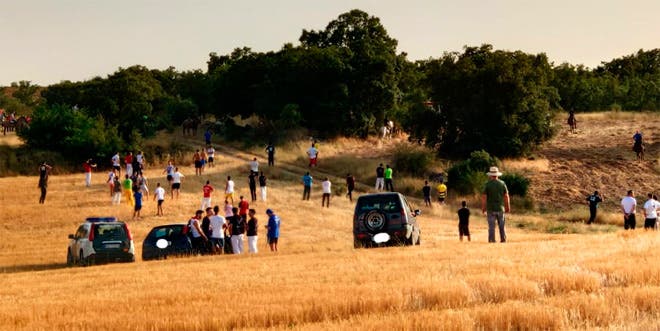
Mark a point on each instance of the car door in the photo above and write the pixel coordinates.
(75, 245)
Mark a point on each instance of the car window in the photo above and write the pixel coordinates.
(387, 203)
(109, 231)
(166, 232)
(81, 232)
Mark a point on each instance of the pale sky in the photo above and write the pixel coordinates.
(47, 41)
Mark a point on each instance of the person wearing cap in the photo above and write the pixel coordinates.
(593, 201)
(495, 203)
(273, 229)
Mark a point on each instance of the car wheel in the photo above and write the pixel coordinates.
(81, 259)
(419, 238)
(69, 258)
(374, 220)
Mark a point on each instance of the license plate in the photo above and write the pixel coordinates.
(112, 246)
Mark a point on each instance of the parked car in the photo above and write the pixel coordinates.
(165, 240)
(101, 239)
(385, 219)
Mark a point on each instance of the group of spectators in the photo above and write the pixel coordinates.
(628, 204)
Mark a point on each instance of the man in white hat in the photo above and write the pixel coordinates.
(494, 203)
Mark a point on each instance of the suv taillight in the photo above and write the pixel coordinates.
(128, 232)
(91, 233)
(403, 216)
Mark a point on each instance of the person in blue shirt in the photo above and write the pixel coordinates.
(207, 136)
(137, 195)
(307, 183)
(273, 229)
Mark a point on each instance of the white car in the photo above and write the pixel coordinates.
(100, 239)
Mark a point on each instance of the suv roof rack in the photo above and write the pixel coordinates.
(101, 219)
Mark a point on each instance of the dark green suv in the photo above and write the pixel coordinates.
(385, 219)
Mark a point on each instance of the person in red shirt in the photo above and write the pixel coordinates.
(206, 199)
(128, 160)
(243, 207)
(87, 166)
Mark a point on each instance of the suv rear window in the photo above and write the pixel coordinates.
(109, 231)
(166, 231)
(387, 203)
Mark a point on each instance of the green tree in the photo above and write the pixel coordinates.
(26, 93)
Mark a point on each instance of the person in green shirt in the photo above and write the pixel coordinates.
(494, 203)
(388, 178)
(127, 185)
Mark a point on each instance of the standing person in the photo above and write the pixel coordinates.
(137, 169)
(650, 209)
(198, 236)
(464, 221)
(270, 149)
(143, 184)
(426, 190)
(206, 228)
(229, 190)
(388, 178)
(243, 207)
(176, 182)
(593, 201)
(307, 185)
(169, 170)
(203, 156)
(127, 187)
(197, 160)
(44, 171)
(207, 136)
(262, 186)
(350, 186)
(228, 209)
(139, 158)
(313, 154)
(111, 181)
(252, 237)
(217, 225)
(210, 151)
(206, 195)
(254, 166)
(87, 166)
(128, 161)
(159, 195)
(116, 197)
(252, 182)
(380, 178)
(237, 229)
(273, 229)
(628, 207)
(326, 185)
(115, 163)
(137, 195)
(495, 203)
(442, 192)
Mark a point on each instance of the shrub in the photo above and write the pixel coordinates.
(415, 161)
(469, 176)
(516, 183)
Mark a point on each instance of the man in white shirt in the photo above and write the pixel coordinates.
(313, 155)
(229, 190)
(254, 166)
(326, 185)
(176, 182)
(159, 195)
(115, 164)
(217, 225)
(210, 152)
(628, 206)
(651, 207)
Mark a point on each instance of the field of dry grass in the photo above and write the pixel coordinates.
(599, 277)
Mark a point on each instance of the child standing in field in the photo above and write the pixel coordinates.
(464, 221)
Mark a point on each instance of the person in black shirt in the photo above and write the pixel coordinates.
(380, 178)
(237, 229)
(262, 186)
(252, 182)
(593, 201)
(350, 186)
(252, 225)
(464, 221)
(44, 170)
(427, 194)
(206, 228)
(270, 149)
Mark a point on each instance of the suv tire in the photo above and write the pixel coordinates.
(374, 220)
(69, 258)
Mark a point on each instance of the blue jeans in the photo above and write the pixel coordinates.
(499, 217)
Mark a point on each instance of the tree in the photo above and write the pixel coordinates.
(26, 93)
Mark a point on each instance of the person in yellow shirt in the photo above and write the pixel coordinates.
(442, 192)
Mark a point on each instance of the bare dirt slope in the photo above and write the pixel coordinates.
(598, 157)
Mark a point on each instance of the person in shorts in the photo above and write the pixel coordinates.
(197, 160)
(176, 182)
(229, 190)
(159, 195)
(650, 209)
(115, 164)
(442, 192)
(169, 170)
(217, 226)
(210, 151)
(137, 195)
(313, 154)
(464, 221)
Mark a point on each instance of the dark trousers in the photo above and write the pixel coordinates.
(271, 159)
(42, 197)
(350, 193)
(253, 192)
(306, 192)
(388, 184)
(629, 222)
(592, 214)
(326, 197)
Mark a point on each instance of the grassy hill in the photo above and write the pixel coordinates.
(596, 277)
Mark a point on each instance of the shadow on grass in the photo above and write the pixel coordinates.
(31, 267)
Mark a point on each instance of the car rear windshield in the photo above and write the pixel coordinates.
(109, 231)
(386, 203)
(166, 231)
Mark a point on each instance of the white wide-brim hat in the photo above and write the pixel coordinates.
(494, 171)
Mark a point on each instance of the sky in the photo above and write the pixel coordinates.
(48, 41)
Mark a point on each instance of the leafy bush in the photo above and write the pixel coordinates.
(516, 183)
(469, 176)
(415, 161)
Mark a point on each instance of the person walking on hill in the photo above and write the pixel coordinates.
(313, 154)
(159, 196)
(207, 136)
(197, 160)
(254, 166)
(426, 190)
(650, 209)
(203, 157)
(44, 172)
(270, 149)
(169, 170)
(87, 167)
(237, 229)
(442, 192)
(176, 183)
(593, 201)
(388, 179)
(206, 195)
(307, 185)
(495, 203)
(380, 178)
(273, 229)
(251, 232)
(464, 221)
(262, 186)
(252, 183)
(229, 190)
(350, 186)
(210, 151)
(327, 190)
(628, 207)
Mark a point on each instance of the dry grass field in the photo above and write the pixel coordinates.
(598, 277)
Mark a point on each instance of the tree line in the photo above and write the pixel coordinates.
(344, 80)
